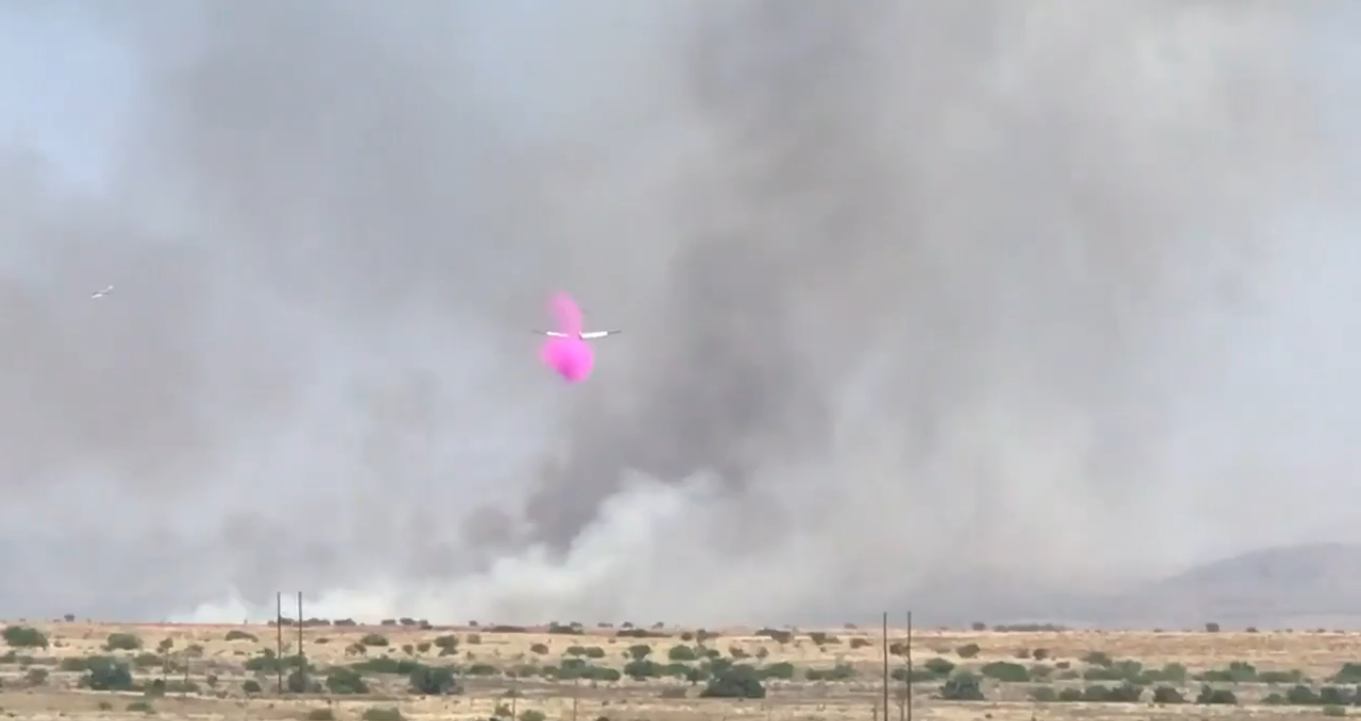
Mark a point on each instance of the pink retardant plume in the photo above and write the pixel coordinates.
(571, 357)
(566, 312)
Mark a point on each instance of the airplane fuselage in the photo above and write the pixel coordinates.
(584, 335)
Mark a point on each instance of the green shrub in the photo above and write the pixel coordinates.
(1124, 693)
(968, 650)
(251, 687)
(782, 670)
(962, 687)
(840, 672)
(1216, 697)
(735, 682)
(780, 637)
(433, 680)
(918, 675)
(527, 670)
(1173, 673)
(1167, 695)
(1097, 658)
(1006, 672)
(381, 714)
(105, 674)
(298, 681)
(342, 681)
(602, 673)
(939, 666)
(374, 640)
(1043, 694)
(1350, 673)
(1333, 696)
(1284, 677)
(386, 664)
(569, 630)
(639, 670)
(447, 645)
(321, 714)
(24, 637)
(77, 663)
(141, 707)
(681, 653)
(582, 670)
(267, 662)
(123, 642)
(1236, 672)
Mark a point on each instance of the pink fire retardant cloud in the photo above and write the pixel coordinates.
(571, 357)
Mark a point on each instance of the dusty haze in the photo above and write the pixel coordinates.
(915, 295)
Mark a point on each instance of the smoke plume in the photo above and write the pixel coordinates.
(922, 300)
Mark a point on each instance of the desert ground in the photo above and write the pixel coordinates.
(410, 669)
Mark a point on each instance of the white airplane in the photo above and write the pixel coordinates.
(101, 293)
(593, 335)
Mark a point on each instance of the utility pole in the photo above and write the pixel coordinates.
(302, 657)
(909, 666)
(885, 665)
(279, 643)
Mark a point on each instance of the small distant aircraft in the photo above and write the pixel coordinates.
(101, 293)
(593, 335)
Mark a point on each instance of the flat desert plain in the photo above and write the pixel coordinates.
(386, 672)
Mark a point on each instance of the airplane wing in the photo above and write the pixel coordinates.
(553, 334)
(598, 334)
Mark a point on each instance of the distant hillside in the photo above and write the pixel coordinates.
(1299, 587)
(1305, 586)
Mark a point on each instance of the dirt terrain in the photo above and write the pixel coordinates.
(667, 674)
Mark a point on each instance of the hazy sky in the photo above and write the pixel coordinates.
(1018, 291)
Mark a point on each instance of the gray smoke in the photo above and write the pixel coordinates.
(915, 294)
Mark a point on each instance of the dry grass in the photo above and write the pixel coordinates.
(204, 651)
